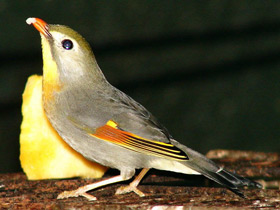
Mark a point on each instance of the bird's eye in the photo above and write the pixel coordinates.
(67, 44)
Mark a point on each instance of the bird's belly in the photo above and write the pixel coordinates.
(102, 152)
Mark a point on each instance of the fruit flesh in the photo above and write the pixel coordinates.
(43, 153)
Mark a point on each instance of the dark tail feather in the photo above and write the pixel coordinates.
(208, 168)
(232, 181)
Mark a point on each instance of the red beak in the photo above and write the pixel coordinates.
(40, 25)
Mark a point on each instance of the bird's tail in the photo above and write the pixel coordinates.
(211, 170)
(230, 180)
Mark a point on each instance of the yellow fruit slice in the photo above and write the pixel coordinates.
(43, 153)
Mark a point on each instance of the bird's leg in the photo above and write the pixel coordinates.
(132, 187)
(82, 191)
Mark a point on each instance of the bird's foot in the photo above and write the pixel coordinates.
(128, 189)
(132, 187)
(82, 191)
(76, 193)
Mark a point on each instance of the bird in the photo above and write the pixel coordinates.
(107, 126)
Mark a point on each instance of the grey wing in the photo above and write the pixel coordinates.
(138, 120)
(123, 110)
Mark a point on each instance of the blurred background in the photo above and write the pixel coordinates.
(208, 70)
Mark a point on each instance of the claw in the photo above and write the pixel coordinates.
(76, 193)
(128, 189)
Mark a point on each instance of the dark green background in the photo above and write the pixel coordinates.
(209, 70)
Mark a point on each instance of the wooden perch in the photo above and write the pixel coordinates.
(162, 189)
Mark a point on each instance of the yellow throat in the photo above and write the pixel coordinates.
(51, 81)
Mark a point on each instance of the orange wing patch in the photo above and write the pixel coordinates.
(111, 133)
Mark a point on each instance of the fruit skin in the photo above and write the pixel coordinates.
(43, 153)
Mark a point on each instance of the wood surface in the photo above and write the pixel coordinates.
(164, 190)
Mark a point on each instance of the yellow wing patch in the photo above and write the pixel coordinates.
(111, 133)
